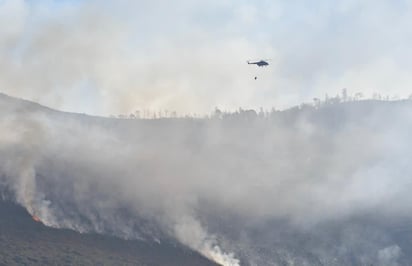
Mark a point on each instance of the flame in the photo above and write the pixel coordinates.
(36, 218)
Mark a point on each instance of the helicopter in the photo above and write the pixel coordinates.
(260, 63)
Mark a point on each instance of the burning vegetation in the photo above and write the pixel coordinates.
(36, 218)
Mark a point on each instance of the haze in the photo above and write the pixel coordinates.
(306, 165)
(116, 57)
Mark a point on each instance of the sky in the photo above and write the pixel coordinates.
(116, 57)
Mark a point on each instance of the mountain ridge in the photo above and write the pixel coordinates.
(313, 184)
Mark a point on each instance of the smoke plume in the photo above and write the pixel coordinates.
(240, 189)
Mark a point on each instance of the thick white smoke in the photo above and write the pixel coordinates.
(190, 232)
(210, 183)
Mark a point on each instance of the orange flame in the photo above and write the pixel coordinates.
(36, 219)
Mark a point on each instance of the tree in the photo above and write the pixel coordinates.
(316, 102)
(217, 114)
(358, 96)
(344, 95)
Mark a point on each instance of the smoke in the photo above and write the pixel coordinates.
(85, 56)
(111, 57)
(306, 185)
(389, 255)
(235, 189)
(191, 233)
(21, 162)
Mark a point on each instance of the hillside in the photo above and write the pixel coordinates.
(24, 241)
(325, 184)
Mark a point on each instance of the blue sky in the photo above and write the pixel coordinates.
(105, 57)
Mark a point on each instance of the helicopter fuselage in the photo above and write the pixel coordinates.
(260, 63)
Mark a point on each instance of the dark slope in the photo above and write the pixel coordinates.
(26, 242)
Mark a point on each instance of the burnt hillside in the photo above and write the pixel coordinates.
(24, 241)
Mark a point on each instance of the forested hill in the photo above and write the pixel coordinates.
(330, 112)
(326, 183)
